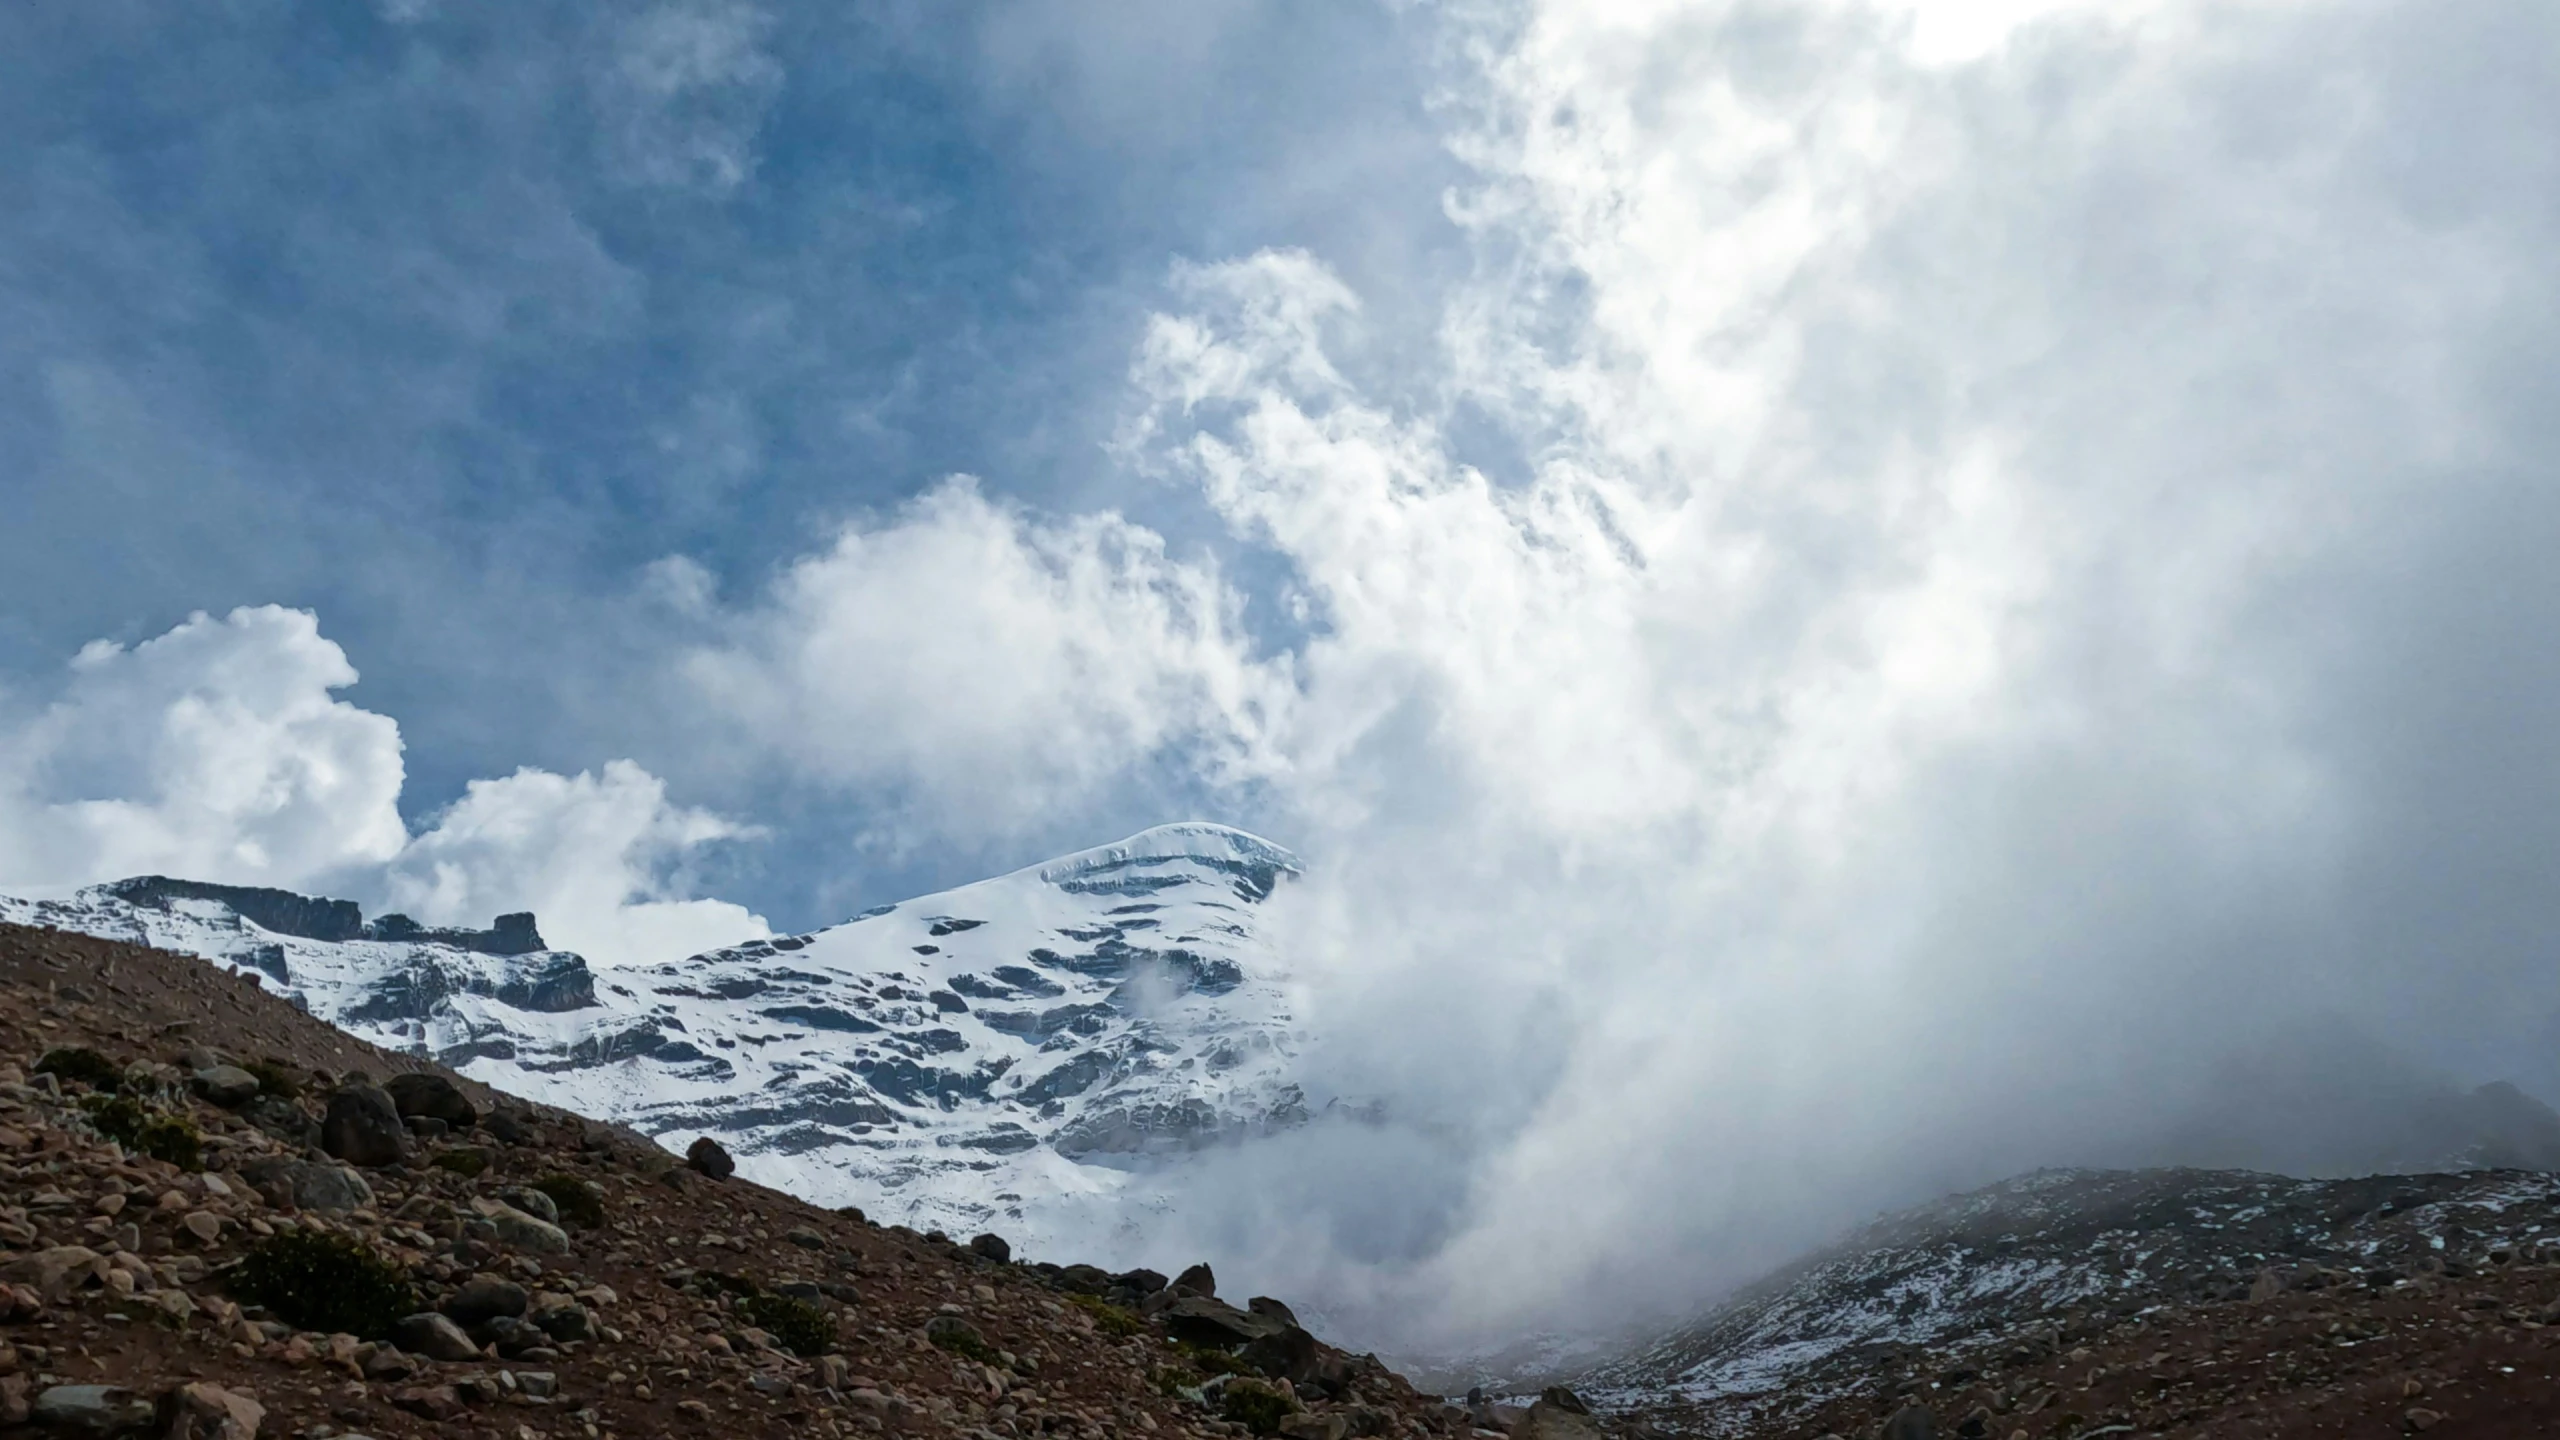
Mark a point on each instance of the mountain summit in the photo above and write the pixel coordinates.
(1007, 1051)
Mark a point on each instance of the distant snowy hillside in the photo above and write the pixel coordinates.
(1015, 1052)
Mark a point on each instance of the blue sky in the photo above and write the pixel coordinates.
(444, 322)
(1870, 592)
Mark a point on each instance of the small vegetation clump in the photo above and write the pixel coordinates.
(1110, 1319)
(317, 1280)
(577, 1200)
(147, 1132)
(464, 1160)
(1257, 1406)
(1209, 1360)
(960, 1338)
(81, 1065)
(796, 1325)
(275, 1078)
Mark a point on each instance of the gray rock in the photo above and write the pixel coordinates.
(1264, 1305)
(1145, 1282)
(305, 1185)
(562, 1318)
(480, 1300)
(806, 1238)
(1199, 1280)
(533, 1203)
(433, 1336)
(1289, 1355)
(508, 1127)
(1558, 1415)
(1203, 1321)
(526, 1232)
(93, 1410)
(362, 1127)
(432, 1096)
(540, 1384)
(228, 1086)
(1911, 1422)
(706, 1156)
(1314, 1427)
(992, 1247)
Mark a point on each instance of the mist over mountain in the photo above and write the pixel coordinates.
(1835, 602)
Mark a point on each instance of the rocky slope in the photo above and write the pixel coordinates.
(1014, 1052)
(180, 1148)
(2184, 1302)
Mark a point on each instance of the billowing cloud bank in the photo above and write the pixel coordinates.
(1936, 581)
(218, 751)
(1938, 573)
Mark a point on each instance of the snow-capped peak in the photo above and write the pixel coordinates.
(1002, 1052)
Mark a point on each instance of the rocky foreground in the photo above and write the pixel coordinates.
(221, 1217)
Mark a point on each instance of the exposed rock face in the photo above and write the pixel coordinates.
(510, 935)
(280, 911)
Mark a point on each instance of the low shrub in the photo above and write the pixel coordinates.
(320, 1280)
(1110, 1319)
(577, 1200)
(960, 1338)
(147, 1132)
(275, 1078)
(466, 1161)
(798, 1326)
(1209, 1360)
(80, 1065)
(1257, 1406)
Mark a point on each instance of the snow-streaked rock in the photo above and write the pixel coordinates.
(1018, 1052)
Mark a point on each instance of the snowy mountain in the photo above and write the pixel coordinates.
(1018, 1052)
(1996, 1276)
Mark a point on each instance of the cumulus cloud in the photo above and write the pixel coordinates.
(983, 668)
(1938, 580)
(218, 751)
(597, 857)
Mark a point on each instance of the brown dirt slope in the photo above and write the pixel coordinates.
(674, 1310)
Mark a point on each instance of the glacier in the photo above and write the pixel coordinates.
(1030, 1052)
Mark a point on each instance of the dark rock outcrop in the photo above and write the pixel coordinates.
(281, 911)
(432, 1096)
(706, 1156)
(362, 1127)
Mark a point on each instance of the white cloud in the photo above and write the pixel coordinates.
(684, 91)
(215, 751)
(597, 858)
(986, 667)
(218, 752)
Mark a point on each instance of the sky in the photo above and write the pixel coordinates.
(1839, 597)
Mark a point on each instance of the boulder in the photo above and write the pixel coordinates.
(362, 1127)
(1311, 1426)
(432, 1096)
(92, 1410)
(228, 1086)
(1911, 1422)
(1203, 1321)
(433, 1336)
(520, 1231)
(706, 1156)
(53, 1273)
(533, 1203)
(992, 1247)
(485, 1299)
(1289, 1354)
(1559, 1414)
(508, 1127)
(562, 1318)
(306, 1185)
(1199, 1280)
(1265, 1306)
(1145, 1282)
